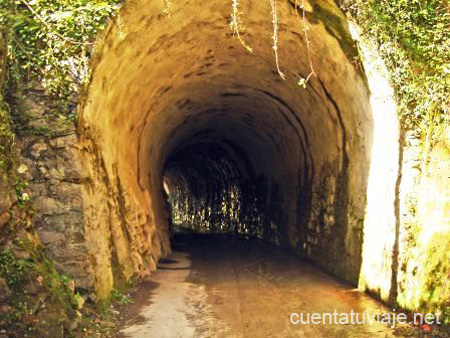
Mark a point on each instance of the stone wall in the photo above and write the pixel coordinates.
(407, 227)
(47, 144)
(423, 278)
(121, 235)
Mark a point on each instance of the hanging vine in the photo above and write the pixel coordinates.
(303, 81)
(273, 5)
(236, 23)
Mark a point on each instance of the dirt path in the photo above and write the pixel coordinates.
(214, 286)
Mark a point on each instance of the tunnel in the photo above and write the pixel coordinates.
(219, 122)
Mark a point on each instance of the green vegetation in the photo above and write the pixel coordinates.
(48, 42)
(336, 26)
(121, 298)
(37, 301)
(40, 302)
(436, 286)
(413, 38)
(52, 40)
(7, 154)
(35, 294)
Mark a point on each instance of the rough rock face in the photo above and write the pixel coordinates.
(6, 202)
(423, 280)
(50, 162)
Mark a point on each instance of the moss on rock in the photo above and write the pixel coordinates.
(7, 153)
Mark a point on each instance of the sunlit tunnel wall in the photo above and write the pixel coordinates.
(242, 145)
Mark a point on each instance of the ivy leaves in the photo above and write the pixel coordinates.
(52, 40)
(414, 39)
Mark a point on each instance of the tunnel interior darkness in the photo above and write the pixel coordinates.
(208, 191)
(223, 162)
(177, 98)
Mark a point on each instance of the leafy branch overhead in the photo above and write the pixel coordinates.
(414, 40)
(52, 41)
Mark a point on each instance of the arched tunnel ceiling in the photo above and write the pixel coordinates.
(163, 83)
(178, 73)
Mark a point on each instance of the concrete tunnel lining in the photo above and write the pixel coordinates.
(162, 84)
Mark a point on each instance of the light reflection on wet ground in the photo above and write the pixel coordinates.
(216, 286)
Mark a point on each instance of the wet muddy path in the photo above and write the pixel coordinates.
(218, 286)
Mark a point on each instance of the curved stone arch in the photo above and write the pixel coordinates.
(159, 80)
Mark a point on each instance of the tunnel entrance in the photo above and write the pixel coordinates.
(179, 110)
